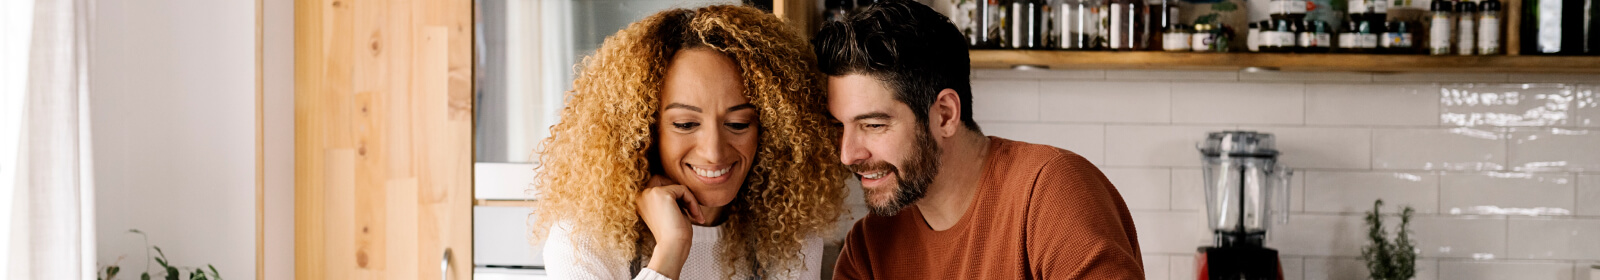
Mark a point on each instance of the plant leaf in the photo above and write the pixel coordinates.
(214, 272)
(172, 273)
(144, 276)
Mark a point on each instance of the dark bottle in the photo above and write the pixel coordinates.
(1078, 24)
(1374, 11)
(1489, 27)
(1466, 27)
(1027, 24)
(1397, 38)
(1358, 37)
(1280, 36)
(1317, 37)
(1559, 27)
(1440, 27)
(1126, 24)
(984, 24)
(1161, 16)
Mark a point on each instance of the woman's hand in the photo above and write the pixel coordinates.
(667, 208)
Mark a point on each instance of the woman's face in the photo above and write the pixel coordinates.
(707, 127)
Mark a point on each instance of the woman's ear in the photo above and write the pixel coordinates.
(945, 115)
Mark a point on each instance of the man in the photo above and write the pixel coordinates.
(948, 202)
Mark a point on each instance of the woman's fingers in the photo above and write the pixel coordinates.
(690, 205)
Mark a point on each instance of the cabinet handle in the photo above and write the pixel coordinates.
(444, 265)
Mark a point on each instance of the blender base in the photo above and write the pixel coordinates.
(1236, 263)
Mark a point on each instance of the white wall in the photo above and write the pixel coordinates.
(173, 105)
(1501, 167)
(277, 103)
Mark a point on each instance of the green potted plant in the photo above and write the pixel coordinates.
(168, 271)
(1389, 260)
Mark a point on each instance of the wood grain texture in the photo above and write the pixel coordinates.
(1288, 62)
(382, 138)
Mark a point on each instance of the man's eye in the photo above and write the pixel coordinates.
(875, 126)
(738, 126)
(686, 125)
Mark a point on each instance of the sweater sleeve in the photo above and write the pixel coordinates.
(570, 257)
(1077, 225)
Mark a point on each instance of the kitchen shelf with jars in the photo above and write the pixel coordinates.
(1555, 36)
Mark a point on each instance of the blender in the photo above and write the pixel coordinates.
(1247, 192)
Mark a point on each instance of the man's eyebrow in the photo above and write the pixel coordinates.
(872, 115)
(676, 105)
(738, 107)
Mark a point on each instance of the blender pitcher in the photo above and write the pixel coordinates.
(1247, 191)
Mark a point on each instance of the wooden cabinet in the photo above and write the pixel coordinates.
(383, 148)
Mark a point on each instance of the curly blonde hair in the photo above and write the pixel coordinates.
(597, 160)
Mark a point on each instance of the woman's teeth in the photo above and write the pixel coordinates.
(710, 173)
(875, 175)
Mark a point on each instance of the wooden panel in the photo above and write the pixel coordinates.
(382, 138)
(802, 14)
(1287, 62)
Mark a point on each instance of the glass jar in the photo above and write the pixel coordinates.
(1357, 37)
(1077, 24)
(1280, 36)
(1489, 27)
(1177, 39)
(1026, 24)
(1397, 38)
(1466, 29)
(1442, 21)
(1203, 38)
(1316, 37)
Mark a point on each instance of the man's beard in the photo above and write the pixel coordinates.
(913, 181)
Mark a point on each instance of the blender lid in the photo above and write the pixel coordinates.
(1238, 143)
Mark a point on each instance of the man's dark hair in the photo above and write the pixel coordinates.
(913, 49)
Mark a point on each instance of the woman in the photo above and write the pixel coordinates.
(694, 145)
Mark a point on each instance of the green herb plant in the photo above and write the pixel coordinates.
(1389, 260)
(170, 272)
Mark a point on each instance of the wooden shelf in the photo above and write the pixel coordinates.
(1381, 63)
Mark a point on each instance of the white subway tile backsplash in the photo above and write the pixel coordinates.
(1372, 104)
(1278, 76)
(1142, 188)
(1586, 106)
(985, 74)
(1457, 236)
(1354, 192)
(1356, 268)
(1438, 149)
(1087, 140)
(1553, 78)
(1156, 266)
(1181, 267)
(1320, 147)
(1500, 270)
(1441, 77)
(1188, 189)
(1507, 193)
(1509, 105)
(1588, 195)
(1555, 149)
(1005, 100)
(1319, 235)
(1553, 238)
(1454, 146)
(1238, 103)
(1167, 232)
(1155, 146)
(1109, 102)
(1171, 75)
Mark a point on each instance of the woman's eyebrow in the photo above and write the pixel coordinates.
(734, 108)
(676, 105)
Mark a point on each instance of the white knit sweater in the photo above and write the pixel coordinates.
(566, 257)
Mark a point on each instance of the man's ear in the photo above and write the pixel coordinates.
(945, 114)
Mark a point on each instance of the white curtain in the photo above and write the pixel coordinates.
(48, 188)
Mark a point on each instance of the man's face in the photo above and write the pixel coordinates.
(884, 144)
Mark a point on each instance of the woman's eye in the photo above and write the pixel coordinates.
(738, 126)
(685, 125)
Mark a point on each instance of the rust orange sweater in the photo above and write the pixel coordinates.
(1039, 213)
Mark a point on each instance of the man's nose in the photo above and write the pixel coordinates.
(851, 150)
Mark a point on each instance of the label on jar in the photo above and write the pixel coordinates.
(1278, 7)
(1357, 6)
(1315, 39)
(1201, 42)
(1277, 39)
(1468, 41)
(1396, 40)
(1253, 40)
(1439, 34)
(1489, 35)
(1358, 41)
(1176, 41)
